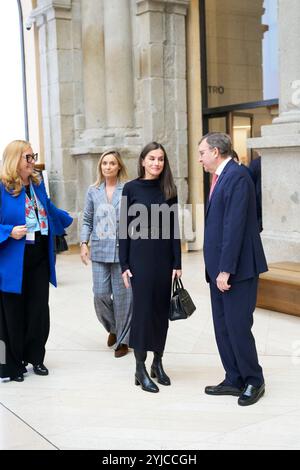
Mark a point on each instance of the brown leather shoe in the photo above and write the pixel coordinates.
(111, 339)
(121, 351)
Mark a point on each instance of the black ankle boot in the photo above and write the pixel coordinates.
(158, 371)
(141, 375)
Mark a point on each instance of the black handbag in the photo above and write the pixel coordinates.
(60, 244)
(181, 306)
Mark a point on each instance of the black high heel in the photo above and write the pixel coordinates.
(141, 375)
(157, 370)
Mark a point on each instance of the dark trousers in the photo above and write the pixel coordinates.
(233, 320)
(24, 318)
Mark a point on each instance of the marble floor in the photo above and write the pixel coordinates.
(89, 400)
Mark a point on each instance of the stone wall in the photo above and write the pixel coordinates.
(279, 147)
(113, 74)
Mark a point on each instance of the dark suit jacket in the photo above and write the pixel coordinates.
(231, 238)
(255, 171)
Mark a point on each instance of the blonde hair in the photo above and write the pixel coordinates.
(9, 172)
(122, 174)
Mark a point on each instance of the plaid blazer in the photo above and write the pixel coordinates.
(101, 223)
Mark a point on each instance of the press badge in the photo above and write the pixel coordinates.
(30, 238)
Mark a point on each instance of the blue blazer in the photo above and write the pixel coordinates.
(231, 237)
(12, 213)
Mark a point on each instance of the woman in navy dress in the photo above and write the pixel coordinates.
(150, 257)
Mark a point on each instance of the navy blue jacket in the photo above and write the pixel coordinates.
(255, 171)
(12, 213)
(231, 238)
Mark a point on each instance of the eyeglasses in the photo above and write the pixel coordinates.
(31, 157)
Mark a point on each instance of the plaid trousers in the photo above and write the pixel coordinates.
(113, 302)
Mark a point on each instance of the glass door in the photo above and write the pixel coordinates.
(241, 130)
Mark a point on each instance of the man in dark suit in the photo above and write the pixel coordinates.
(234, 258)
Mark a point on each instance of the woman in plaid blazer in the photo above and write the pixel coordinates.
(113, 303)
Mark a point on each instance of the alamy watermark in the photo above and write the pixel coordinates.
(140, 221)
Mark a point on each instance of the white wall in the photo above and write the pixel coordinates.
(12, 123)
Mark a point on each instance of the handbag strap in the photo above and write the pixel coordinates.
(177, 284)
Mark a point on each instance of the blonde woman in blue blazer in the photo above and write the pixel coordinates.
(28, 222)
(113, 302)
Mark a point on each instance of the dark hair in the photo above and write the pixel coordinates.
(235, 155)
(219, 140)
(167, 184)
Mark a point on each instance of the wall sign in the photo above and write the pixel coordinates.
(219, 90)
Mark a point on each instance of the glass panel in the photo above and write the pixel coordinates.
(241, 131)
(262, 117)
(217, 124)
(12, 123)
(241, 38)
(248, 124)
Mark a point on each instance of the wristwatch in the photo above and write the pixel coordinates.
(83, 243)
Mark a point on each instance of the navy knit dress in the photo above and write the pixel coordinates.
(150, 260)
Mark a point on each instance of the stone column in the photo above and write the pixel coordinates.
(289, 74)
(59, 108)
(196, 193)
(108, 82)
(279, 147)
(93, 63)
(118, 63)
(162, 84)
